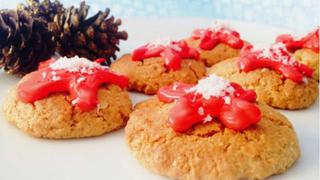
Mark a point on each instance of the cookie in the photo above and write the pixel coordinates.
(216, 43)
(55, 117)
(269, 85)
(148, 74)
(69, 98)
(211, 151)
(309, 58)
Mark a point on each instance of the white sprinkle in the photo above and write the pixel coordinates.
(277, 52)
(74, 64)
(208, 118)
(165, 58)
(226, 31)
(231, 41)
(80, 79)
(174, 87)
(305, 80)
(44, 75)
(265, 54)
(73, 70)
(98, 106)
(83, 70)
(176, 48)
(194, 98)
(227, 99)
(55, 78)
(212, 86)
(201, 111)
(75, 101)
(54, 73)
(230, 90)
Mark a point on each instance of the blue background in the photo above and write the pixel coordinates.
(297, 15)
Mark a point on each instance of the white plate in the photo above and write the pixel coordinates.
(107, 156)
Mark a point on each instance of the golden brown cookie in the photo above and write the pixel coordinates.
(219, 53)
(210, 151)
(309, 58)
(269, 85)
(55, 117)
(150, 74)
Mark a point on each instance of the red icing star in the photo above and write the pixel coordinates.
(276, 58)
(172, 53)
(191, 108)
(82, 84)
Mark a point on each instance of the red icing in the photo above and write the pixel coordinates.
(210, 38)
(239, 114)
(81, 85)
(310, 41)
(276, 58)
(172, 53)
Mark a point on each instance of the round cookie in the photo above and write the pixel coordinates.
(219, 53)
(150, 74)
(269, 85)
(210, 151)
(55, 117)
(216, 43)
(309, 58)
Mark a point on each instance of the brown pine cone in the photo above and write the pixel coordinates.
(94, 37)
(24, 42)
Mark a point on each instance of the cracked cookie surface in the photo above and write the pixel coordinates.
(54, 117)
(150, 74)
(210, 151)
(269, 85)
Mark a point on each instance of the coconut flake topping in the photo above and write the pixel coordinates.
(277, 52)
(74, 64)
(163, 42)
(213, 86)
(208, 118)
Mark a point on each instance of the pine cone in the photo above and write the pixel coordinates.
(24, 42)
(33, 33)
(94, 37)
(44, 10)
